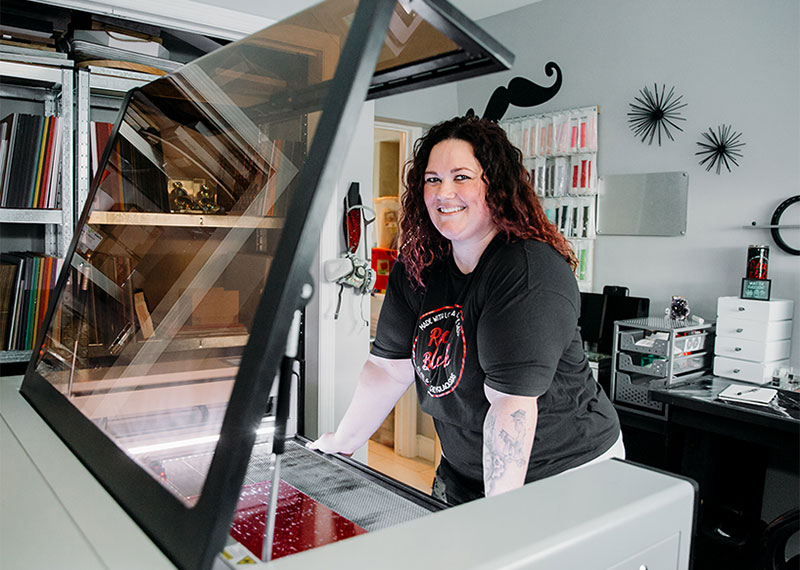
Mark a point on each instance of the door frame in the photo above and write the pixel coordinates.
(405, 412)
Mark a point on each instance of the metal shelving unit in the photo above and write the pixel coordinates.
(184, 220)
(49, 81)
(68, 93)
(103, 88)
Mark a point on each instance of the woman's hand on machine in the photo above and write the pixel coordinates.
(329, 443)
(381, 383)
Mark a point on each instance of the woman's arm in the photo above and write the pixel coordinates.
(508, 432)
(381, 384)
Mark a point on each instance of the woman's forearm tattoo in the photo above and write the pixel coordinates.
(502, 450)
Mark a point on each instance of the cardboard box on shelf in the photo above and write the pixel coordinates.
(217, 308)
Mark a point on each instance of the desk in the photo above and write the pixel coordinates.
(696, 405)
(728, 448)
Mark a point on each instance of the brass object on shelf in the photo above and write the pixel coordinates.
(193, 197)
(208, 201)
(179, 199)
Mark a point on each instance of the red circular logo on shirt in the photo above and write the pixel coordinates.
(439, 350)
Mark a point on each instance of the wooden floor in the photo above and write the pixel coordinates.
(416, 472)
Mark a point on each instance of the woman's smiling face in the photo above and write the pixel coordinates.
(455, 193)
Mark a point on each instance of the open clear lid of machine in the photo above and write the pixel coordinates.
(171, 313)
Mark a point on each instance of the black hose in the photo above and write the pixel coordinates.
(776, 218)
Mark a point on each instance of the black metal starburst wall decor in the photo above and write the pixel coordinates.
(720, 148)
(654, 112)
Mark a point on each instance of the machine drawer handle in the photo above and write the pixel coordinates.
(739, 330)
(741, 308)
(737, 349)
(737, 370)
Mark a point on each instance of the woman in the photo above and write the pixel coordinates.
(482, 310)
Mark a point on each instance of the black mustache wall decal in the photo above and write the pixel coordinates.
(521, 92)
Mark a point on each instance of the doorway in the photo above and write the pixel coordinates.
(405, 445)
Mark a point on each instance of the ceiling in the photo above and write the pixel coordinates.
(477, 9)
(279, 9)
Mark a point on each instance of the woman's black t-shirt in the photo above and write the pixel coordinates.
(511, 324)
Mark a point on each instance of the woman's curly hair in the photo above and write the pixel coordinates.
(515, 208)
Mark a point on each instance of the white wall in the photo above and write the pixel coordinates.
(426, 106)
(735, 62)
(336, 349)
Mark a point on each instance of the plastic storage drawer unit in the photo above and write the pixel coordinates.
(753, 338)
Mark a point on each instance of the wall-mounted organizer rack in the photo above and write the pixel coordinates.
(560, 151)
(655, 353)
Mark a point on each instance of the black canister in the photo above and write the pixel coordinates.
(757, 261)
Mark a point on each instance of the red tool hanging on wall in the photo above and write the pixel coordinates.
(349, 269)
(352, 218)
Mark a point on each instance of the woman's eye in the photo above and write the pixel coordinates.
(432, 180)
(461, 177)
